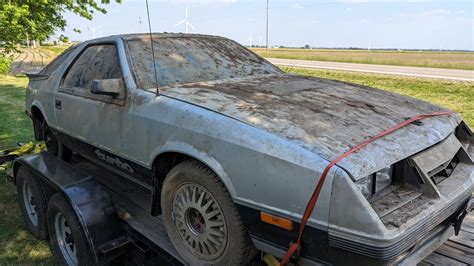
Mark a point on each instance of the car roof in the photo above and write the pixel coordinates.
(146, 36)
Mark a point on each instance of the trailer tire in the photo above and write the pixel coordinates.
(67, 235)
(33, 203)
(196, 205)
(54, 145)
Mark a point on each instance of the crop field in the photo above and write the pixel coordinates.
(452, 60)
(31, 59)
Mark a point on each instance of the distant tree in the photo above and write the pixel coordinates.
(22, 20)
(63, 39)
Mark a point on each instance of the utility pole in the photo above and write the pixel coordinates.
(266, 49)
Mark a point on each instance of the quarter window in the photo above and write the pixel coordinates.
(51, 67)
(96, 62)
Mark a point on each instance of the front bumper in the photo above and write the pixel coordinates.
(411, 238)
(437, 238)
(470, 205)
(420, 250)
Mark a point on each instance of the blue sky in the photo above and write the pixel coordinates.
(414, 24)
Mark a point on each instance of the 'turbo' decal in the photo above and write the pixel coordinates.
(114, 161)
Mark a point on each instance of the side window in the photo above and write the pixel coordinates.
(96, 62)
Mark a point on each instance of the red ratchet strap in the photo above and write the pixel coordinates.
(312, 201)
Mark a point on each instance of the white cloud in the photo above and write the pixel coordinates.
(438, 12)
(297, 6)
(404, 14)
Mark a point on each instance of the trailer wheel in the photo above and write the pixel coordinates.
(54, 146)
(66, 233)
(33, 203)
(201, 219)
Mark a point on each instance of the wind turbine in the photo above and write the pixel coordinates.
(186, 21)
(139, 24)
(93, 31)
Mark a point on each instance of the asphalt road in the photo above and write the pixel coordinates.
(423, 72)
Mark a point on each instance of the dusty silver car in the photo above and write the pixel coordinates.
(232, 148)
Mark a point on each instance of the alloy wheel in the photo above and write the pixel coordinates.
(200, 221)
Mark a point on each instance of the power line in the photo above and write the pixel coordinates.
(152, 50)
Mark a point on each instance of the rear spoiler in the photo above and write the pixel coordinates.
(36, 75)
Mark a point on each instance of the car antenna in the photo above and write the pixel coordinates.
(152, 50)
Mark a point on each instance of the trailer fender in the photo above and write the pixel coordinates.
(90, 202)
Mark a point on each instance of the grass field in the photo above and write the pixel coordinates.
(17, 246)
(55, 49)
(452, 60)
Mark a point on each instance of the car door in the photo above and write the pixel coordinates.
(95, 125)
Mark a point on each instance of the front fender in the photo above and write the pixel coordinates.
(200, 155)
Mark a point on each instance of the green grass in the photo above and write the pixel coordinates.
(56, 49)
(455, 95)
(452, 60)
(15, 125)
(17, 246)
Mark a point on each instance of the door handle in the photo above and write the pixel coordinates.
(57, 104)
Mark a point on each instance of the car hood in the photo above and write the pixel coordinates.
(325, 116)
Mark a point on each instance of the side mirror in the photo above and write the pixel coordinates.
(110, 87)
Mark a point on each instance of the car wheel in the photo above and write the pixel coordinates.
(33, 203)
(54, 146)
(67, 236)
(201, 219)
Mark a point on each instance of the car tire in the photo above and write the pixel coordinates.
(201, 219)
(68, 240)
(33, 203)
(54, 145)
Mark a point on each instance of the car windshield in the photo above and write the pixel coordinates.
(181, 60)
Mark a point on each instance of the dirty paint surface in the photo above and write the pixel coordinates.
(324, 116)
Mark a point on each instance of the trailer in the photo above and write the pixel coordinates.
(89, 211)
(105, 214)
